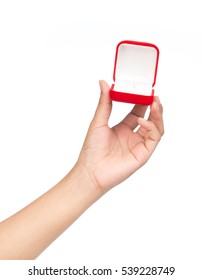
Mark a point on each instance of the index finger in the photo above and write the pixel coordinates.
(131, 119)
(156, 114)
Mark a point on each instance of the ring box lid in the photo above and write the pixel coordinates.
(135, 68)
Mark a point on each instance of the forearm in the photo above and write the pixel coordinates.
(27, 233)
(109, 156)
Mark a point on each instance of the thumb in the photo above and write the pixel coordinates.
(104, 107)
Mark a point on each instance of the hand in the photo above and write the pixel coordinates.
(112, 154)
(109, 156)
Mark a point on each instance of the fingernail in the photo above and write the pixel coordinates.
(158, 100)
(155, 105)
(141, 119)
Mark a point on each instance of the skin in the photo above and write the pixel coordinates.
(108, 157)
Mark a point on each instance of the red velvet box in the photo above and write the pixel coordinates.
(135, 71)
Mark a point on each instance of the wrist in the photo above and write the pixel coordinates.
(83, 184)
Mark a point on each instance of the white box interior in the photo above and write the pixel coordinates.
(135, 69)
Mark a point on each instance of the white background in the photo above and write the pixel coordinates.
(52, 54)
